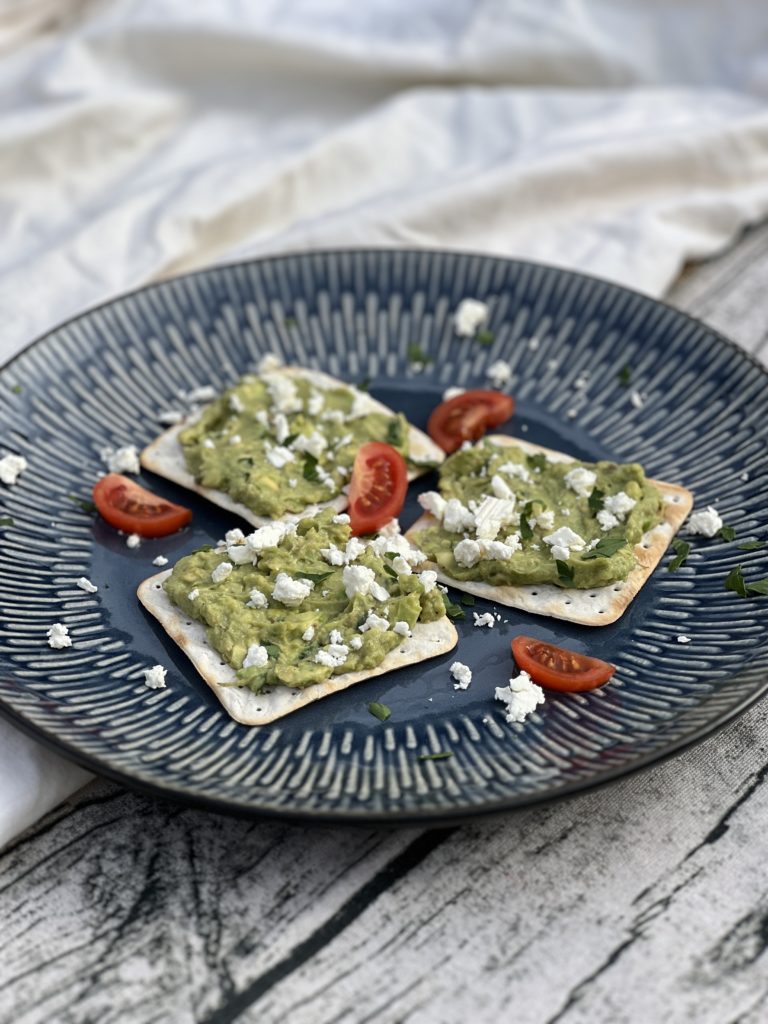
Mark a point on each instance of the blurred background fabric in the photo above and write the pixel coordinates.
(145, 138)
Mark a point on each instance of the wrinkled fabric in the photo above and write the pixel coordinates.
(144, 139)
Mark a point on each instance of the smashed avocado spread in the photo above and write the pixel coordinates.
(294, 604)
(277, 443)
(507, 517)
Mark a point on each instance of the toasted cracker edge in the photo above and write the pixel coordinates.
(569, 603)
(428, 640)
(164, 456)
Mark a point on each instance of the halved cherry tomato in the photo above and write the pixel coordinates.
(467, 417)
(127, 506)
(377, 490)
(556, 668)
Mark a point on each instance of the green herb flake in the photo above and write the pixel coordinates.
(364, 384)
(537, 461)
(759, 586)
(752, 545)
(395, 433)
(17, 389)
(468, 600)
(682, 548)
(380, 711)
(735, 581)
(525, 527)
(289, 440)
(390, 571)
(453, 611)
(727, 533)
(289, 321)
(310, 468)
(82, 503)
(564, 571)
(273, 651)
(605, 547)
(416, 354)
(440, 755)
(595, 500)
(624, 376)
(6, 521)
(485, 337)
(315, 577)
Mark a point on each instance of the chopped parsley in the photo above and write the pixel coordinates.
(682, 548)
(6, 521)
(564, 571)
(735, 581)
(289, 321)
(727, 533)
(416, 354)
(525, 527)
(624, 376)
(440, 755)
(380, 711)
(537, 461)
(395, 433)
(17, 389)
(315, 577)
(364, 384)
(388, 569)
(752, 545)
(759, 586)
(83, 503)
(453, 611)
(310, 468)
(605, 547)
(468, 600)
(595, 500)
(273, 651)
(485, 337)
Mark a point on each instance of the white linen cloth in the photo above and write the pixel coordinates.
(143, 139)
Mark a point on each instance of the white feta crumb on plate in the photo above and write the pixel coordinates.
(121, 460)
(636, 399)
(486, 619)
(58, 636)
(170, 417)
(469, 315)
(521, 697)
(450, 393)
(499, 373)
(133, 540)
(308, 634)
(462, 675)
(705, 523)
(160, 560)
(11, 466)
(85, 584)
(154, 677)
(683, 639)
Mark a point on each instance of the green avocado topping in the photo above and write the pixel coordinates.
(278, 444)
(545, 501)
(302, 636)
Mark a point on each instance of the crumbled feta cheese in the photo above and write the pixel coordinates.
(533, 343)
(402, 628)
(289, 591)
(193, 594)
(208, 443)
(607, 520)
(257, 657)
(220, 573)
(333, 555)
(333, 416)
(373, 621)
(501, 550)
(521, 697)
(356, 642)
(355, 547)
(269, 362)
(581, 382)
(170, 417)
(58, 636)
(234, 536)
(619, 504)
(315, 403)
(262, 418)
(450, 393)
(501, 488)
(456, 517)
(357, 579)
(486, 619)
(572, 414)
(333, 655)
(499, 373)
(121, 460)
(154, 677)
(516, 469)
(280, 427)
(744, 476)
(308, 634)
(492, 514)
(283, 394)
(160, 560)
(292, 481)
(469, 315)
(428, 580)
(256, 599)
(313, 444)
(706, 523)
(341, 519)
(85, 584)
(133, 540)
(379, 593)
(268, 536)
(683, 639)
(235, 439)
(562, 541)
(205, 393)
(335, 637)
(236, 404)
(545, 520)
(636, 399)
(462, 675)
(401, 566)
(433, 503)
(581, 481)
(278, 456)
(467, 553)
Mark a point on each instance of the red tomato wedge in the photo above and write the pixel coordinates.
(377, 490)
(467, 417)
(129, 507)
(556, 668)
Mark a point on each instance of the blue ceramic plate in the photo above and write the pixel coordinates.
(104, 377)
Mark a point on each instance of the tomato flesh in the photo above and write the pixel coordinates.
(557, 668)
(378, 486)
(467, 417)
(129, 507)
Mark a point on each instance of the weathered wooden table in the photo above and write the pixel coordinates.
(643, 902)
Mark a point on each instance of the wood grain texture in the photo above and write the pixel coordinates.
(642, 902)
